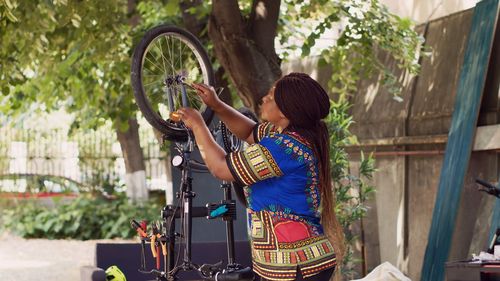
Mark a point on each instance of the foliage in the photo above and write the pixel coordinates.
(69, 54)
(154, 12)
(352, 191)
(365, 28)
(84, 218)
(76, 54)
(6, 8)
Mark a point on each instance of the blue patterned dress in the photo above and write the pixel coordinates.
(281, 176)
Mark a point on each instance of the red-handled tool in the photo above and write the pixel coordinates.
(140, 230)
(142, 233)
(155, 243)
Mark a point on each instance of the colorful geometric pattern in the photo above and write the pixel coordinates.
(262, 237)
(277, 260)
(265, 129)
(300, 152)
(283, 204)
(253, 164)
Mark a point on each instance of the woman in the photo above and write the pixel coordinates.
(286, 171)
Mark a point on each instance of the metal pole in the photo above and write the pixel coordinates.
(229, 226)
(187, 181)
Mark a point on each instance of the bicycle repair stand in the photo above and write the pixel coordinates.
(226, 210)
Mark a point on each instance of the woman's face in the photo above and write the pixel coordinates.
(269, 110)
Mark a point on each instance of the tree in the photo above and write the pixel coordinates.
(74, 55)
(244, 41)
(73, 48)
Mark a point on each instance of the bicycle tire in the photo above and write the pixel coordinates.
(149, 42)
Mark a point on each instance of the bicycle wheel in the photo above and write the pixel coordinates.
(164, 63)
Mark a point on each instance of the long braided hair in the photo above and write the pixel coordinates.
(305, 103)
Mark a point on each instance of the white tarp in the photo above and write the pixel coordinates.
(385, 272)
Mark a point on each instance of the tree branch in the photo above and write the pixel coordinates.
(229, 18)
(263, 23)
(190, 21)
(131, 10)
(250, 69)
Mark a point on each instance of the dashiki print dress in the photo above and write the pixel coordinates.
(281, 179)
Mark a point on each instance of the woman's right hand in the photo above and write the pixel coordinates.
(207, 95)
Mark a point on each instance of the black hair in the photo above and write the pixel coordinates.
(304, 102)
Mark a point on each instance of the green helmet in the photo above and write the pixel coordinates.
(113, 273)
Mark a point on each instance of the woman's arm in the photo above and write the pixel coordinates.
(240, 125)
(213, 155)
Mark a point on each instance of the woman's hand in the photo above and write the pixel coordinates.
(207, 94)
(191, 118)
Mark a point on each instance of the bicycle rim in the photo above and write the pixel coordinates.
(165, 62)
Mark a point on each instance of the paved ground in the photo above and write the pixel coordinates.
(41, 259)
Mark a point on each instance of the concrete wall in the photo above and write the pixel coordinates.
(423, 10)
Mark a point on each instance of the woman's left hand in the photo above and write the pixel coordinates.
(191, 118)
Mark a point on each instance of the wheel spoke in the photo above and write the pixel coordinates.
(172, 55)
(152, 75)
(152, 63)
(169, 55)
(152, 83)
(162, 56)
(181, 51)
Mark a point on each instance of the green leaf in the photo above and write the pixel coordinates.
(5, 90)
(172, 7)
(48, 224)
(9, 4)
(11, 16)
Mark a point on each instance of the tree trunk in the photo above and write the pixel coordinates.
(196, 26)
(246, 48)
(169, 189)
(135, 178)
(222, 82)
